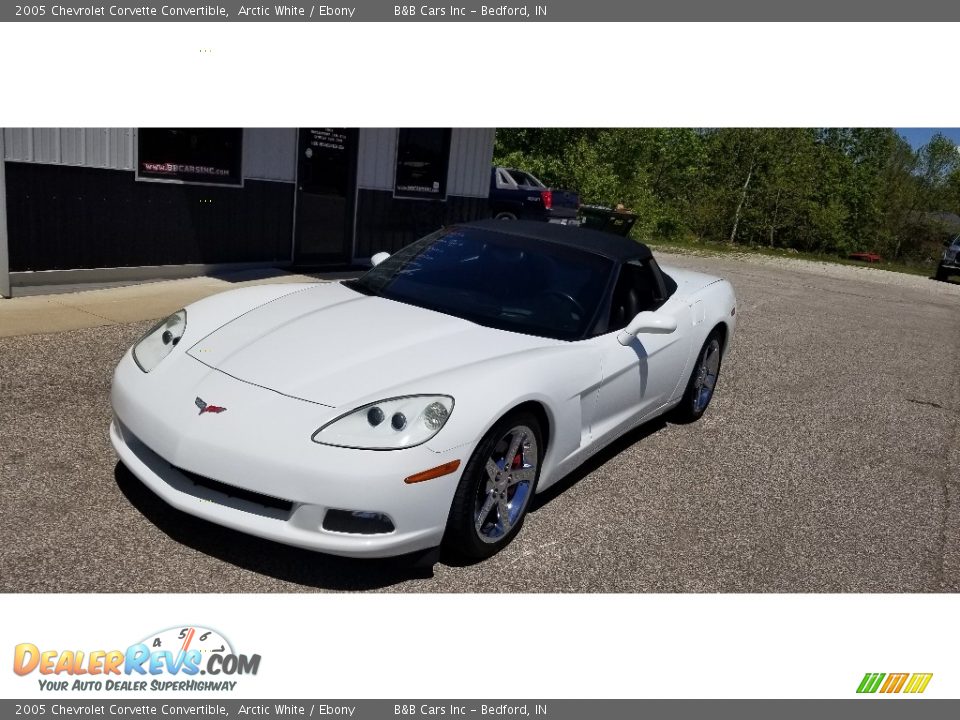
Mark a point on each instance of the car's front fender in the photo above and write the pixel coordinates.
(563, 380)
(215, 311)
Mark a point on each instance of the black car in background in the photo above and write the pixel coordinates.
(950, 260)
(518, 195)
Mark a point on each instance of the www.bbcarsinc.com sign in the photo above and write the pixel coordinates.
(178, 659)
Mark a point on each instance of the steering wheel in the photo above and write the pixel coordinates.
(553, 292)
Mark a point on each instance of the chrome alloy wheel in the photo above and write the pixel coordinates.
(706, 376)
(510, 473)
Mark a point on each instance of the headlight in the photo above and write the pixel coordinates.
(160, 341)
(391, 424)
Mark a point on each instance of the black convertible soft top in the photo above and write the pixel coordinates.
(615, 247)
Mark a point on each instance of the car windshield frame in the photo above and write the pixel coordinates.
(597, 271)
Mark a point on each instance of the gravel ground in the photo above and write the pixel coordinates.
(858, 273)
(828, 462)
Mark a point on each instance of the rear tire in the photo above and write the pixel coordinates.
(504, 216)
(495, 490)
(703, 381)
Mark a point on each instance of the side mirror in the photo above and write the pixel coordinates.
(378, 258)
(647, 323)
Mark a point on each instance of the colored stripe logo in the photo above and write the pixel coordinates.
(913, 683)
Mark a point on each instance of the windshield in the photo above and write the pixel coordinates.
(501, 281)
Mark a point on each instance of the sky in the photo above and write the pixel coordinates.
(921, 136)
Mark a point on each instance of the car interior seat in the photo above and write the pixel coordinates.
(634, 293)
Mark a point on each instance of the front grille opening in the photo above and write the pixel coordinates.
(357, 522)
(235, 492)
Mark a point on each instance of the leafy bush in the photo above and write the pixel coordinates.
(834, 190)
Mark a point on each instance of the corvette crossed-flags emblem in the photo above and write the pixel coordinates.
(204, 408)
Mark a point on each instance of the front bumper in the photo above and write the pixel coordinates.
(261, 444)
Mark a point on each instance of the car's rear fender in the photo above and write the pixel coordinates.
(716, 305)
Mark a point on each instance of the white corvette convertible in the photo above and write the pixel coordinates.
(425, 402)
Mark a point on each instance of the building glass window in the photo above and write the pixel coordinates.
(191, 155)
(423, 155)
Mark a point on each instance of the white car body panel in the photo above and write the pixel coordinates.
(331, 345)
(286, 359)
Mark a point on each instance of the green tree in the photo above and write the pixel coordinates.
(834, 190)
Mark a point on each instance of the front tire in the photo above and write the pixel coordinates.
(942, 273)
(702, 382)
(496, 488)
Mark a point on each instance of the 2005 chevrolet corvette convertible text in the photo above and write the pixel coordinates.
(425, 402)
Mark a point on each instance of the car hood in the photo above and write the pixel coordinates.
(333, 346)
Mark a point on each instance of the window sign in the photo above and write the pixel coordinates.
(190, 155)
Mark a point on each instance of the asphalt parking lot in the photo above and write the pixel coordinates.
(829, 461)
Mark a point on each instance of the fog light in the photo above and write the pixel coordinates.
(357, 522)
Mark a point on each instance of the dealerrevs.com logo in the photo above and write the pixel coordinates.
(178, 659)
